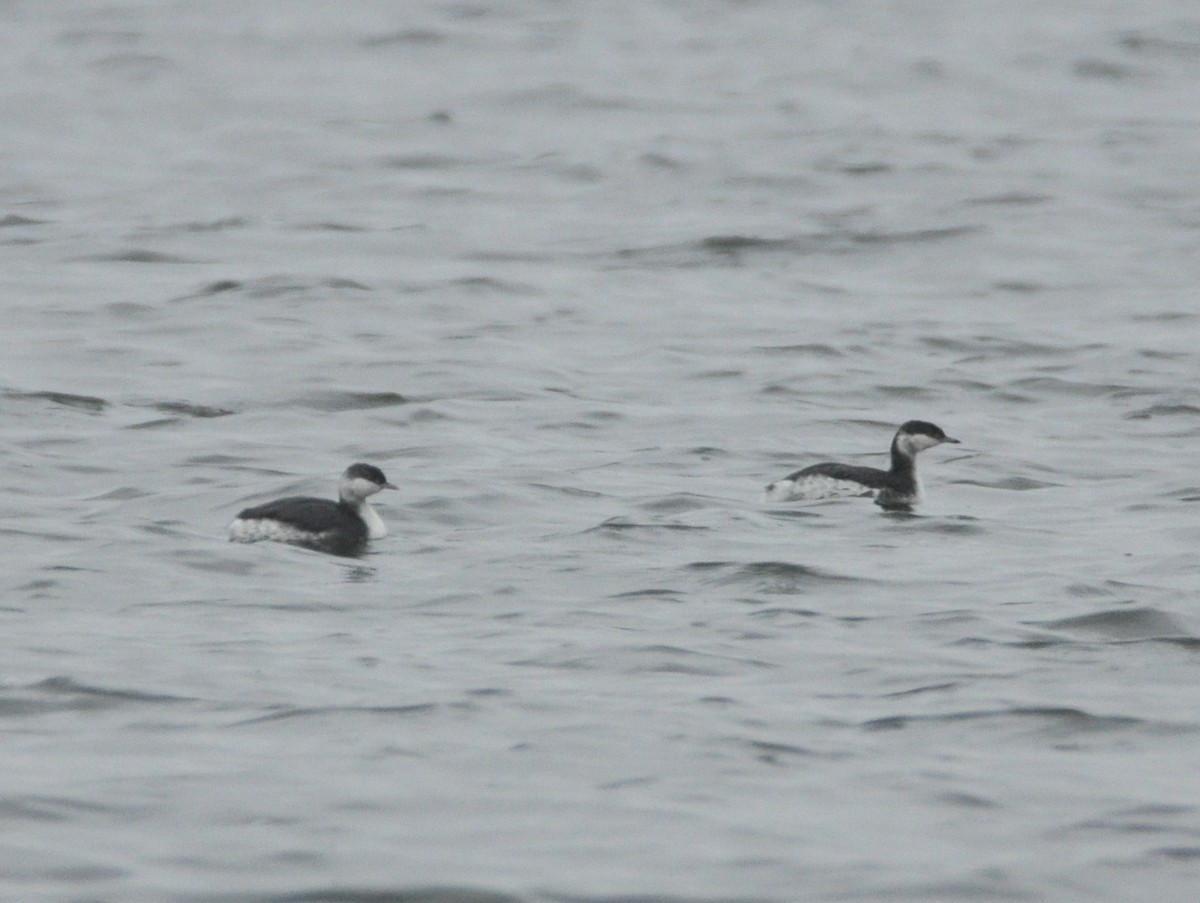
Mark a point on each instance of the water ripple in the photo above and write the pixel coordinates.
(771, 577)
(64, 694)
(1121, 624)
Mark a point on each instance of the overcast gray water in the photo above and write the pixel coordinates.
(582, 277)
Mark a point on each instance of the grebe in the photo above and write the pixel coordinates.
(340, 527)
(898, 487)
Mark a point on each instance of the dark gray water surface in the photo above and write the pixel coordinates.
(581, 278)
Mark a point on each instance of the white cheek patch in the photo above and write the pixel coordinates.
(363, 488)
(916, 442)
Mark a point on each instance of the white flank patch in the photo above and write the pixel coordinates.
(813, 489)
(244, 530)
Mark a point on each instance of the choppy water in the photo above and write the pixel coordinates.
(582, 277)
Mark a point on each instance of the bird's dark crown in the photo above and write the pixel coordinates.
(366, 472)
(924, 428)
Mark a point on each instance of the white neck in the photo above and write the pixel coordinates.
(376, 528)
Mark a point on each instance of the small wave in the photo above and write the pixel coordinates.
(797, 512)
(730, 249)
(214, 563)
(772, 577)
(133, 67)
(426, 161)
(1179, 854)
(734, 248)
(1019, 286)
(624, 524)
(864, 168)
(122, 494)
(215, 225)
(921, 690)
(773, 752)
(1010, 484)
(290, 713)
(1005, 348)
(672, 595)
(218, 287)
(1178, 41)
(914, 235)
(644, 898)
(1120, 624)
(652, 659)
(66, 399)
(26, 866)
(571, 491)
(1164, 410)
(1165, 316)
(736, 244)
(675, 503)
(1053, 385)
(1091, 67)
(779, 614)
(906, 392)
(13, 220)
(967, 800)
(1055, 718)
(947, 526)
(488, 284)
(332, 402)
(330, 226)
(1182, 642)
(803, 350)
(67, 685)
(64, 694)
(139, 255)
(373, 894)
(187, 409)
(222, 460)
(1012, 198)
(566, 97)
(276, 286)
(407, 37)
(35, 807)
